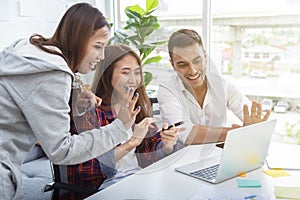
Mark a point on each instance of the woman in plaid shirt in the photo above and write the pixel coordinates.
(121, 69)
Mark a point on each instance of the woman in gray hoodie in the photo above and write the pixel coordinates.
(36, 77)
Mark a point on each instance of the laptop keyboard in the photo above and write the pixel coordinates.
(207, 173)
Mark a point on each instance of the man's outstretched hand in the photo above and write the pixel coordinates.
(256, 115)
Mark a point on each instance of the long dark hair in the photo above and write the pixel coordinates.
(102, 86)
(74, 30)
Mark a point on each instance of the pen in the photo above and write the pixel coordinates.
(170, 126)
(250, 197)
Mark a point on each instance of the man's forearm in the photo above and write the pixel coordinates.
(204, 134)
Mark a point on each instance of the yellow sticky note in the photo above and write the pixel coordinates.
(276, 172)
(242, 174)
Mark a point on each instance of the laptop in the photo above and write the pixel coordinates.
(245, 149)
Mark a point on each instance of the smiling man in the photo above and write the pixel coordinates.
(200, 97)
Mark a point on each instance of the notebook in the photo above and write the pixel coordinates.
(284, 156)
(245, 150)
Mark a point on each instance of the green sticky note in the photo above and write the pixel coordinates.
(243, 183)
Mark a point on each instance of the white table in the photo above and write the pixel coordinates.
(161, 181)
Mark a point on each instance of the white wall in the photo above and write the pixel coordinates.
(22, 18)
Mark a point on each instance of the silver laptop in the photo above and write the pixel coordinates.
(245, 149)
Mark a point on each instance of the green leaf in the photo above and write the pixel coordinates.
(145, 32)
(145, 51)
(147, 78)
(151, 4)
(132, 24)
(153, 59)
(135, 10)
(134, 40)
(132, 17)
(120, 34)
(119, 37)
(158, 43)
(298, 133)
(150, 11)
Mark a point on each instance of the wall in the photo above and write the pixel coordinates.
(22, 18)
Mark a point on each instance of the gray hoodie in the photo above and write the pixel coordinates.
(35, 89)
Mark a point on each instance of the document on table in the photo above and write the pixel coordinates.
(213, 193)
(284, 156)
(287, 187)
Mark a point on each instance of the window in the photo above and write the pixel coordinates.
(255, 44)
(264, 39)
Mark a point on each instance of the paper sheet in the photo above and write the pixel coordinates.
(213, 193)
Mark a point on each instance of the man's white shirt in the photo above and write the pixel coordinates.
(176, 103)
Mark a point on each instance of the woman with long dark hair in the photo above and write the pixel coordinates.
(121, 69)
(36, 77)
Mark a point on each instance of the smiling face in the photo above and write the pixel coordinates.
(126, 73)
(95, 50)
(190, 63)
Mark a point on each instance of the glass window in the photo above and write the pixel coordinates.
(172, 15)
(255, 44)
(264, 40)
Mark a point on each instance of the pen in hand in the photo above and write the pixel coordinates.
(170, 126)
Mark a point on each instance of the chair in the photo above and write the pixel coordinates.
(155, 106)
(60, 188)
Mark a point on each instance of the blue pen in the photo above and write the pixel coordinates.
(250, 197)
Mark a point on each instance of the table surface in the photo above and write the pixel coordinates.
(161, 181)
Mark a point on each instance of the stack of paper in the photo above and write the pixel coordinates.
(287, 187)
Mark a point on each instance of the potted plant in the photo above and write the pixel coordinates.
(139, 26)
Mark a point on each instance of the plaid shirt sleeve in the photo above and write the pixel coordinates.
(147, 151)
(87, 174)
(150, 150)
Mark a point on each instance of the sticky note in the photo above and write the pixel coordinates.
(242, 174)
(248, 183)
(276, 172)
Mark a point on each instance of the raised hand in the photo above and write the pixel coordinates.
(87, 100)
(256, 115)
(127, 112)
